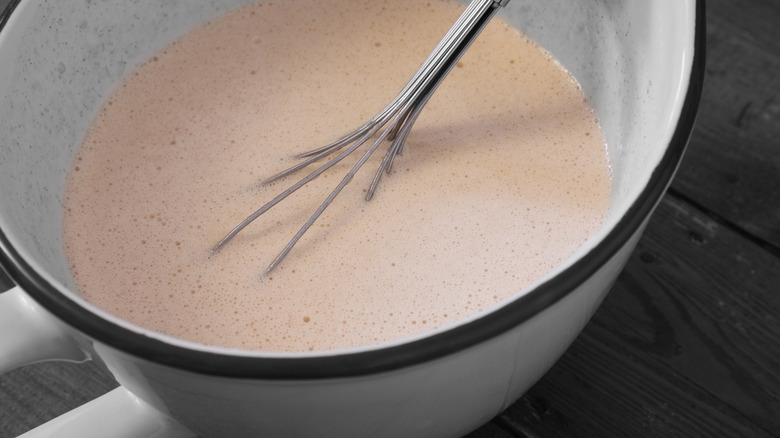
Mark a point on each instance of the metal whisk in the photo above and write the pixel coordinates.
(397, 119)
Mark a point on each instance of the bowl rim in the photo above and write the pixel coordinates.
(398, 355)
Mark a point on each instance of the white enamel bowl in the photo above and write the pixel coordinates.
(640, 62)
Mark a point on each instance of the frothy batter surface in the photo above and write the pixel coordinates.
(503, 176)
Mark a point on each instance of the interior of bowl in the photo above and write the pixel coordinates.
(60, 59)
(633, 60)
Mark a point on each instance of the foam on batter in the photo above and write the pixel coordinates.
(504, 175)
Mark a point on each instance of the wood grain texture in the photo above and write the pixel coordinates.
(32, 395)
(732, 164)
(688, 341)
(686, 344)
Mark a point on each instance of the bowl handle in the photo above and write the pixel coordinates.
(117, 414)
(29, 334)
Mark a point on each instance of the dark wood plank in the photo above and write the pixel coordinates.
(32, 395)
(732, 166)
(490, 430)
(686, 344)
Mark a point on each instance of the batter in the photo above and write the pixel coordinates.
(504, 175)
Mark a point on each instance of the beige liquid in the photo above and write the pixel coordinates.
(504, 175)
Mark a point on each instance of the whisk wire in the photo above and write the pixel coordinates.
(401, 114)
(343, 183)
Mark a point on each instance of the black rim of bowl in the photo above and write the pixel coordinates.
(392, 357)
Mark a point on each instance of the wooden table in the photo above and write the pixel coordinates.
(688, 341)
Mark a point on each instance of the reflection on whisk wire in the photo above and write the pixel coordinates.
(397, 118)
